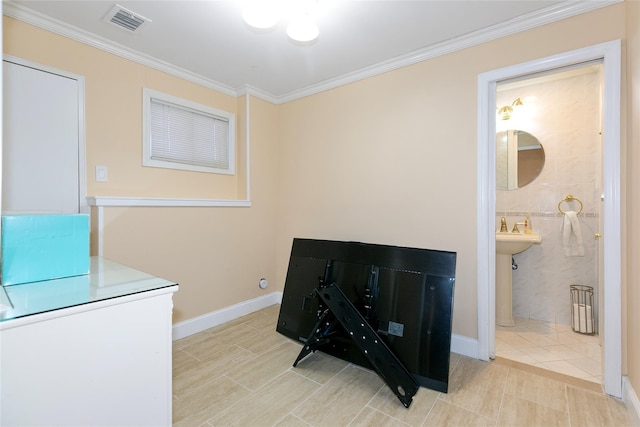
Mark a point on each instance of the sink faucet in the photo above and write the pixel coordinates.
(503, 225)
(515, 227)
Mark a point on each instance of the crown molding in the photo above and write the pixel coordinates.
(522, 23)
(258, 93)
(37, 19)
(525, 22)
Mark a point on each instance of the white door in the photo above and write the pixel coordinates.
(41, 141)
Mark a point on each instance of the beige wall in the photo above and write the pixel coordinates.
(113, 106)
(391, 159)
(217, 255)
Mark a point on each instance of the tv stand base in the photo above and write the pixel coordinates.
(384, 361)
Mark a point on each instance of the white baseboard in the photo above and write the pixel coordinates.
(631, 400)
(459, 344)
(218, 317)
(464, 345)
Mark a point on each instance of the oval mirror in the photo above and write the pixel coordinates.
(519, 159)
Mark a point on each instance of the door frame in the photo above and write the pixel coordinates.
(610, 55)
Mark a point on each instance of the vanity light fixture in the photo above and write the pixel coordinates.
(506, 111)
(264, 14)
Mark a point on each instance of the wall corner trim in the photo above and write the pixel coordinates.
(101, 201)
(632, 401)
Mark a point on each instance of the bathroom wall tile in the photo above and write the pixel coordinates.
(542, 308)
(542, 328)
(521, 308)
(570, 170)
(339, 401)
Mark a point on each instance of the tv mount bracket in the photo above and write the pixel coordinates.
(383, 360)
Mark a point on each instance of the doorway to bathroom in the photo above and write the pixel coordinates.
(548, 165)
(604, 206)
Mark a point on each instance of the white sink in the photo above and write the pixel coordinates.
(514, 243)
(508, 244)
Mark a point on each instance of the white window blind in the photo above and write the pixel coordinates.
(184, 135)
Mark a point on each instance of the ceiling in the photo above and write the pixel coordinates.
(208, 41)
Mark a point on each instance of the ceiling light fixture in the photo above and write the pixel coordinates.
(260, 14)
(303, 29)
(265, 14)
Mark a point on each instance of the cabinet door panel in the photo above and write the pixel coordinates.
(40, 170)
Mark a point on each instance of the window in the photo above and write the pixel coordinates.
(180, 134)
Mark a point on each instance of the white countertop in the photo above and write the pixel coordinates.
(106, 280)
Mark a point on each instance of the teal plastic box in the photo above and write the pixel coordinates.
(44, 247)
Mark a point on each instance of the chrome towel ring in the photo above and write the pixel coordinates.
(570, 198)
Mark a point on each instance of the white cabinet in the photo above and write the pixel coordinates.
(104, 360)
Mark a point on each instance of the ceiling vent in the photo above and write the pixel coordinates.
(124, 18)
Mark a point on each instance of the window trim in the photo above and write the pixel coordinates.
(147, 96)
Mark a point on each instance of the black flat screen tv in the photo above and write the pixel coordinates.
(405, 294)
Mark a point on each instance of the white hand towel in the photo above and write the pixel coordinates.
(571, 225)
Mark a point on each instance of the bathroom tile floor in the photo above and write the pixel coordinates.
(551, 346)
(241, 374)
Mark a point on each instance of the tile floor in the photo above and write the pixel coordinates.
(241, 374)
(551, 346)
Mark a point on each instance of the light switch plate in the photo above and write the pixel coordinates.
(101, 174)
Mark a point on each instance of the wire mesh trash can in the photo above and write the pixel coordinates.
(582, 316)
